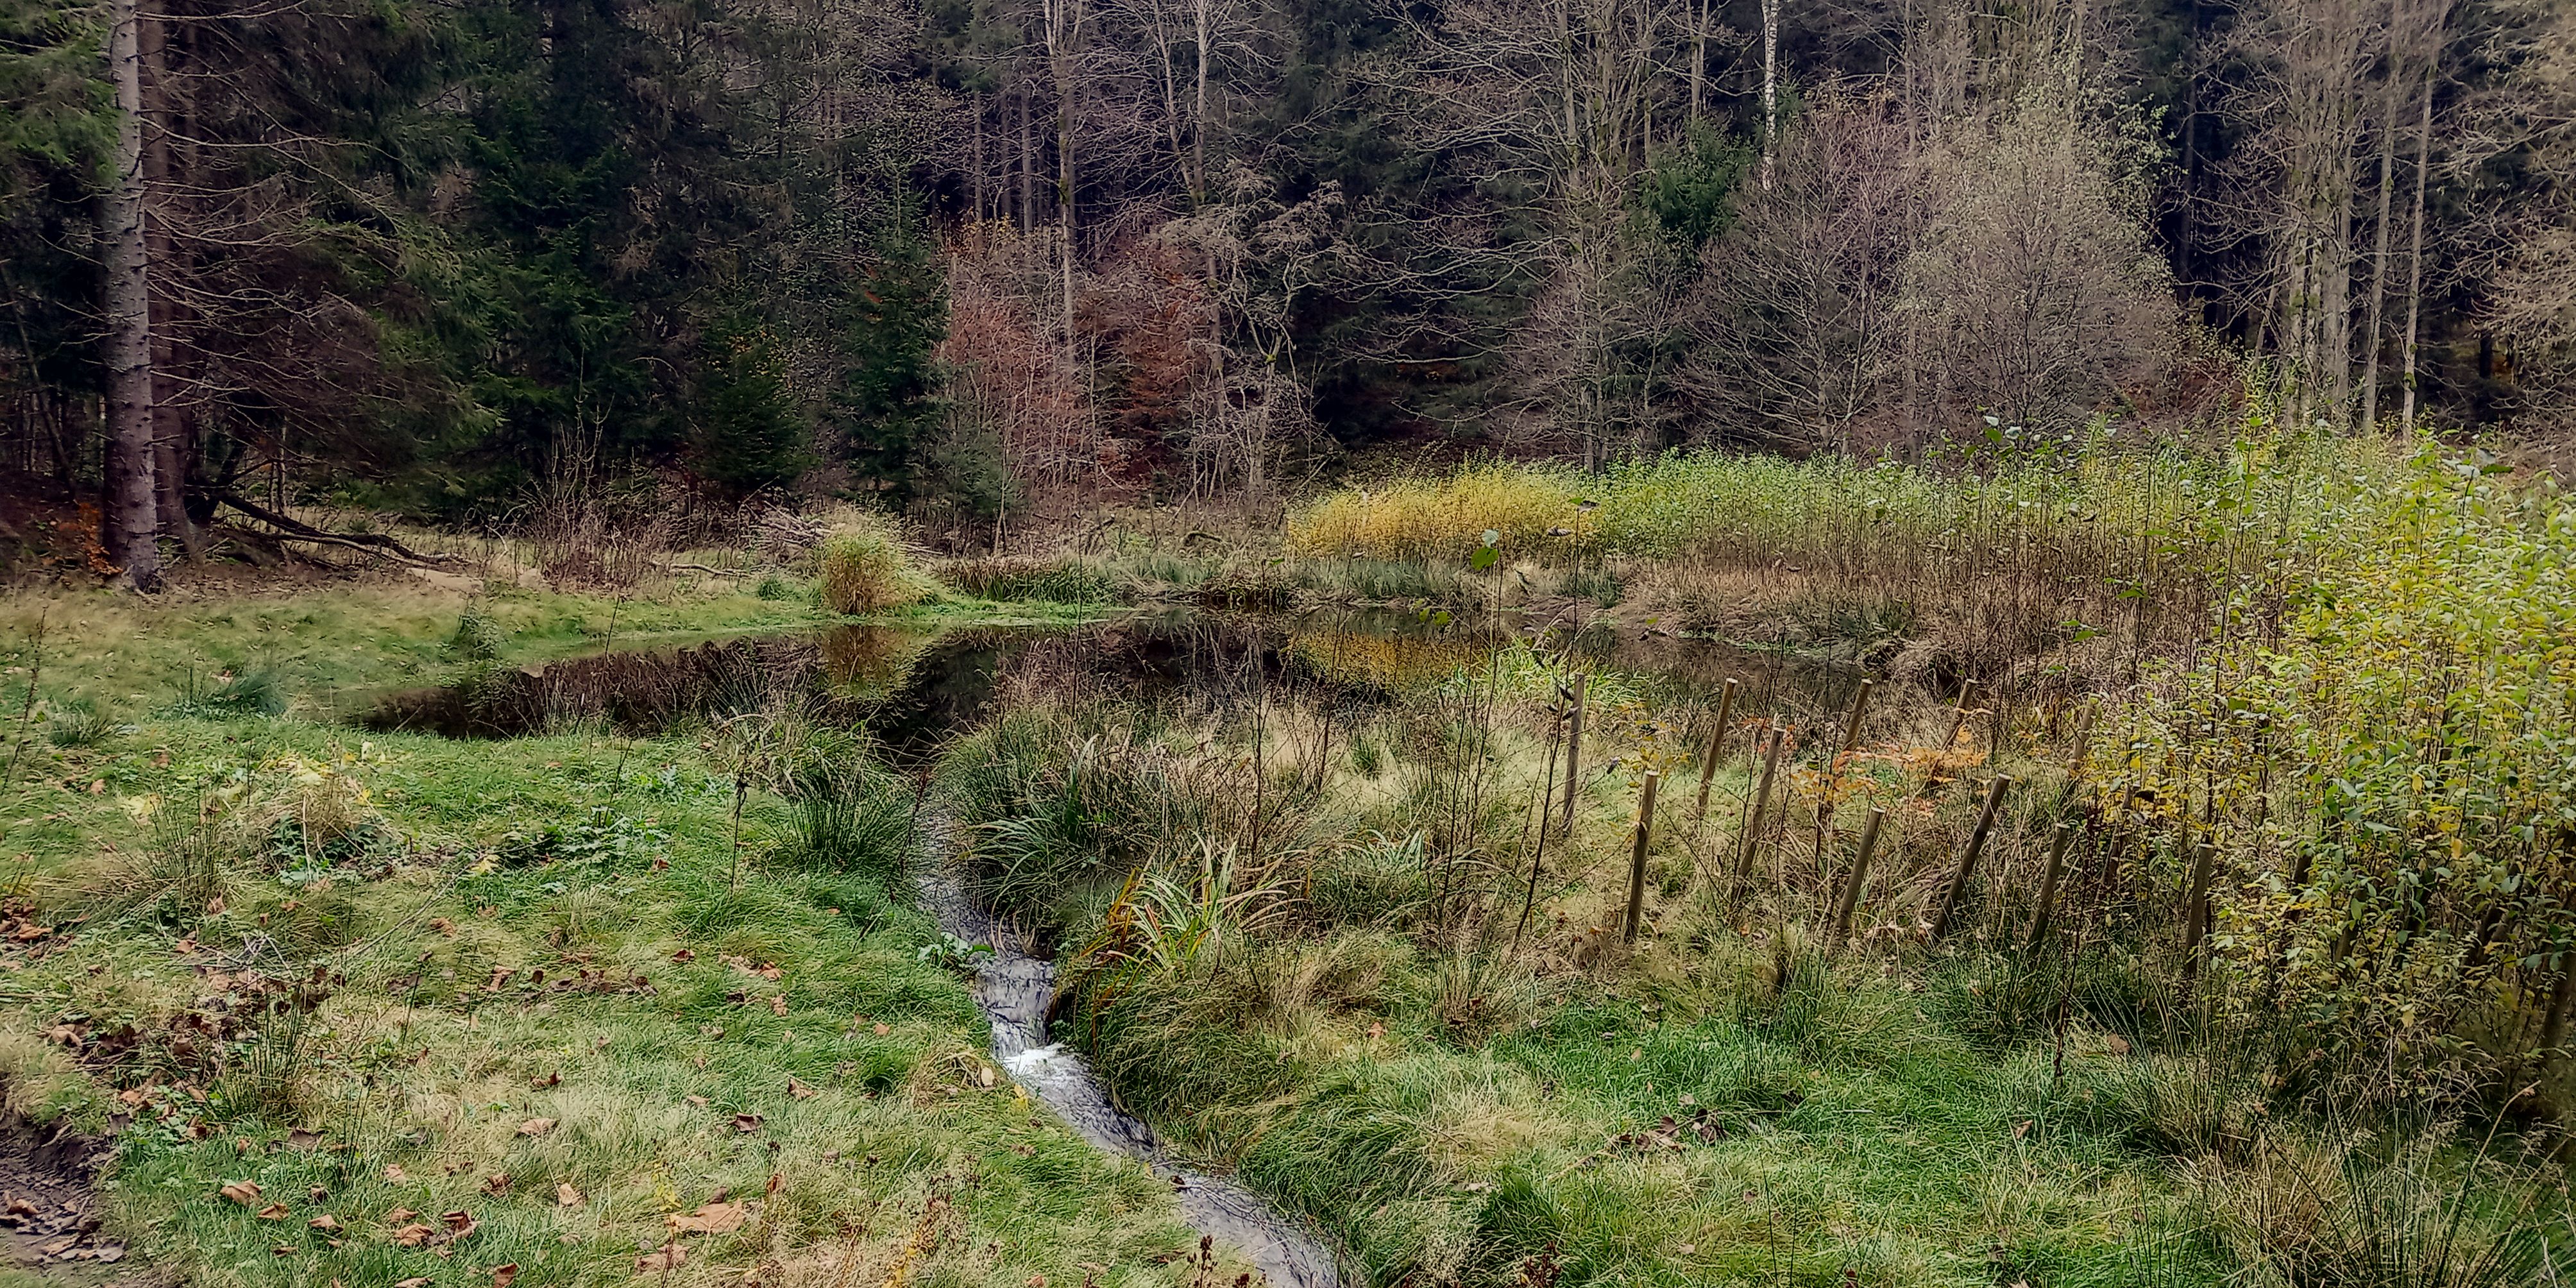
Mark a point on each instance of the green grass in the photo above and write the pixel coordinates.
(1873, 1140)
(132, 656)
(412, 870)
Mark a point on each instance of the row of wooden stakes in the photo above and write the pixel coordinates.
(1847, 901)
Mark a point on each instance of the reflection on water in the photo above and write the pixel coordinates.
(914, 690)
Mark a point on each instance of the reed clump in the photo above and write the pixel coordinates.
(864, 568)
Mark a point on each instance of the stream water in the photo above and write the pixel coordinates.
(1014, 986)
(914, 692)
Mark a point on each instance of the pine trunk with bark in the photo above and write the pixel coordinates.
(132, 512)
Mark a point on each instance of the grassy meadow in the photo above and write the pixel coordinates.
(375, 1008)
(2287, 722)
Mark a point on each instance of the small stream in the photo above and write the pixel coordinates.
(1014, 987)
(913, 692)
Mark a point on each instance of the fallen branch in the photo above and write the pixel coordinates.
(372, 543)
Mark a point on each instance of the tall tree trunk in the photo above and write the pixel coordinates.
(1064, 37)
(130, 512)
(1028, 164)
(2190, 176)
(2379, 234)
(1770, 87)
(163, 180)
(1699, 57)
(2415, 252)
(1199, 120)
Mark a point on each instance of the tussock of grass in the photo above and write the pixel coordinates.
(864, 568)
(1418, 519)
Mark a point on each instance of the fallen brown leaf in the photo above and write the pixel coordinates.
(503, 1274)
(460, 1223)
(748, 1123)
(395, 1173)
(497, 1183)
(399, 1215)
(883, 1029)
(245, 1193)
(273, 1212)
(778, 1004)
(536, 1126)
(567, 1196)
(713, 1218)
(669, 1257)
(413, 1235)
(326, 1221)
(799, 1091)
(416, 1281)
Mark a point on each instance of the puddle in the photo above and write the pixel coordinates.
(914, 690)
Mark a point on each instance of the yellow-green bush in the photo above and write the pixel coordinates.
(2377, 751)
(864, 568)
(1428, 518)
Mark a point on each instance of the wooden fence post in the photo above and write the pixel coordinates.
(1850, 901)
(1967, 863)
(1716, 747)
(1574, 750)
(2048, 885)
(1637, 856)
(1752, 838)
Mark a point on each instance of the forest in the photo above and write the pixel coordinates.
(452, 262)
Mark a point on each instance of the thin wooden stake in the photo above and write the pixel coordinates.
(1716, 747)
(1834, 767)
(1752, 838)
(1574, 750)
(1637, 857)
(1967, 861)
(2048, 886)
(1850, 901)
(2075, 758)
(2083, 743)
(1959, 715)
(1851, 731)
(2195, 929)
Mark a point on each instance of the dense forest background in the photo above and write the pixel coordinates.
(473, 260)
